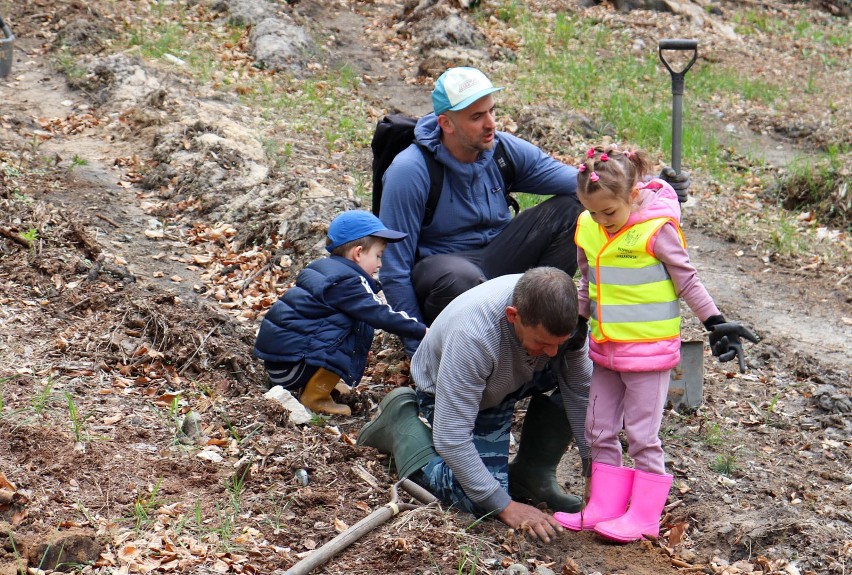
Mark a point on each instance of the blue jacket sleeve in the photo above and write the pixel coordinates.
(537, 172)
(406, 188)
(354, 297)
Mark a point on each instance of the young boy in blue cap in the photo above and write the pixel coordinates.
(321, 329)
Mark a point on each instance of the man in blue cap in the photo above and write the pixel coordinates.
(321, 329)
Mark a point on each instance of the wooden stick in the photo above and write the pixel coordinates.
(107, 220)
(16, 237)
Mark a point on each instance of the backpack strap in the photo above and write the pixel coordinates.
(436, 183)
(436, 179)
(507, 170)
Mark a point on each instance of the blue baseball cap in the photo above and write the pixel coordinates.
(458, 88)
(356, 224)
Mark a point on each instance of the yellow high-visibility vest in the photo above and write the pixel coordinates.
(632, 295)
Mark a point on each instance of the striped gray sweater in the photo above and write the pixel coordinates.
(471, 360)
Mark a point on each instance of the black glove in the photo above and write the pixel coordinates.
(725, 342)
(680, 182)
(578, 338)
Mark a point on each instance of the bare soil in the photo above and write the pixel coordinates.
(139, 248)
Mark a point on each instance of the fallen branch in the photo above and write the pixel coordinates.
(16, 237)
(260, 271)
(107, 220)
(186, 364)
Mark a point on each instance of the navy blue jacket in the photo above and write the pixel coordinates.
(328, 318)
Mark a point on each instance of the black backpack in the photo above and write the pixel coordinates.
(394, 133)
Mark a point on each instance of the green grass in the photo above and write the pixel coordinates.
(724, 464)
(177, 33)
(144, 506)
(629, 100)
(77, 161)
(579, 64)
(235, 487)
(786, 239)
(43, 397)
(468, 560)
(327, 96)
(31, 235)
(67, 62)
(714, 436)
(819, 186)
(77, 420)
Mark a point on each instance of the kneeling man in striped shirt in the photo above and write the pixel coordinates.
(510, 338)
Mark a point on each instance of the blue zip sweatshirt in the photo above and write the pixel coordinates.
(472, 209)
(328, 320)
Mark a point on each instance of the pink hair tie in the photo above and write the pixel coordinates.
(590, 153)
(604, 157)
(628, 154)
(594, 177)
(581, 168)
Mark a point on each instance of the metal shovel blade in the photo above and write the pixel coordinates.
(7, 42)
(686, 386)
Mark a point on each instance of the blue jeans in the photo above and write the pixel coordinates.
(491, 438)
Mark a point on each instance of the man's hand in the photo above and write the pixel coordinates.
(530, 520)
(680, 182)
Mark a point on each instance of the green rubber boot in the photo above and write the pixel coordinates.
(544, 438)
(396, 430)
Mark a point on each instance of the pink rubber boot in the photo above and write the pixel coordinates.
(610, 492)
(650, 491)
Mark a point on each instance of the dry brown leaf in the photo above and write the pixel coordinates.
(362, 506)
(5, 483)
(571, 567)
(167, 398)
(128, 553)
(676, 533)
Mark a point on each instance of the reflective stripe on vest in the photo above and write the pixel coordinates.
(631, 294)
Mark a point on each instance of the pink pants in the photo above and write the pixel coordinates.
(634, 401)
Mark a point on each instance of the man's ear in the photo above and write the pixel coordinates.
(445, 123)
(512, 314)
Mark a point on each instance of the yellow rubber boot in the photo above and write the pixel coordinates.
(317, 394)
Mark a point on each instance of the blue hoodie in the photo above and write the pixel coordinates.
(472, 209)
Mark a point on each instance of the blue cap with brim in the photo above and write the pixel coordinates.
(356, 224)
(458, 88)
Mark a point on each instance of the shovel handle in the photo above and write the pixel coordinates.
(678, 44)
(366, 525)
(677, 75)
(677, 91)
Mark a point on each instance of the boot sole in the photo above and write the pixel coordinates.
(587, 525)
(625, 538)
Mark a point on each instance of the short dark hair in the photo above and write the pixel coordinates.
(547, 297)
(366, 242)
